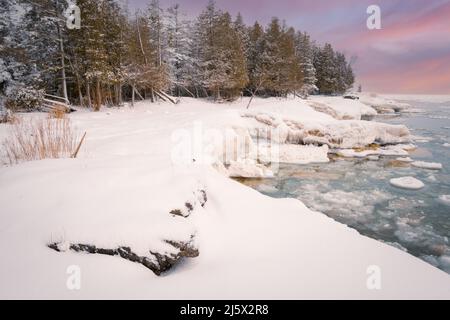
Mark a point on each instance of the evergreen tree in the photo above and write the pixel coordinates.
(324, 62)
(256, 68)
(178, 45)
(20, 78)
(305, 54)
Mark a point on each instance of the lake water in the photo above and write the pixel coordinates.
(357, 192)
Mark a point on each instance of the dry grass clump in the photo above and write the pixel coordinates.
(57, 113)
(40, 139)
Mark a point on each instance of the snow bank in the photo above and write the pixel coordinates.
(407, 183)
(340, 108)
(335, 134)
(382, 104)
(126, 190)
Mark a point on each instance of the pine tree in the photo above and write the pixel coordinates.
(291, 75)
(155, 25)
(20, 79)
(178, 48)
(256, 68)
(243, 33)
(271, 57)
(324, 62)
(305, 54)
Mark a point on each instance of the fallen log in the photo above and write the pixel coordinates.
(160, 95)
(166, 96)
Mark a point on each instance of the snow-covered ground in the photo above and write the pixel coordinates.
(140, 180)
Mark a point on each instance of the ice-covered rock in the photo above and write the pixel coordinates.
(407, 183)
(294, 153)
(334, 133)
(341, 109)
(381, 104)
(427, 165)
(248, 168)
(445, 198)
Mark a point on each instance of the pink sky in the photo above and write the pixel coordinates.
(410, 54)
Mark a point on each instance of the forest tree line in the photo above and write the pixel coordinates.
(120, 56)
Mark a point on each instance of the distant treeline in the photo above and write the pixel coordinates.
(117, 55)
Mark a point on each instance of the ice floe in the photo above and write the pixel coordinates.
(427, 165)
(407, 183)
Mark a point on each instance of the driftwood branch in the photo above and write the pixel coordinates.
(74, 155)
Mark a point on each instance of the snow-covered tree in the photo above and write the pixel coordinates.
(20, 79)
(305, 54)
(178, 43)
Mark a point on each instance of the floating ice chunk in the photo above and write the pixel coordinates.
(422, 139)
(407, 183)
(373, 158)
(396, 150)
(267, 188)
(427, 165)
(351, 153)
(405, 159)
(447, 145)
(407, 146)
(445, 198)
(431, 178)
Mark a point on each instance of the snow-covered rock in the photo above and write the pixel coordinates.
(382, 104)
(407, 183)
(248, 168)
(393, 150)
(445, 198)
(340, 108)
(427, 165)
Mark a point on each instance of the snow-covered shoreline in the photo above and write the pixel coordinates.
(125, 184)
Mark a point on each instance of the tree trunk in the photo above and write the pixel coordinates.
(140, 40)
(63, 65)
(120, 94)
(132, 95)
(88, 94)
(80, 94)
(98, 96)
